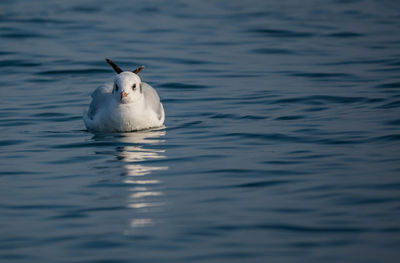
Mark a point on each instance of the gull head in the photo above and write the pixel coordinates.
(127, 85)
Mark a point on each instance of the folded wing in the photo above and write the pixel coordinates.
(153, 100)
(99, 97)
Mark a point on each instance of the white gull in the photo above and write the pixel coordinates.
(127, 105)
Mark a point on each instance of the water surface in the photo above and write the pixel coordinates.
(281, 143)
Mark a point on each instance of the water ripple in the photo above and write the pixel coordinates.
(321, 100)
(74, 71)
(345, 34)
(264, 184)
(4, 143)
(281, 138)
(280, 33)
(291, 228)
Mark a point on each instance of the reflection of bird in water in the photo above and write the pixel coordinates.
(133, 155)
(145, 191)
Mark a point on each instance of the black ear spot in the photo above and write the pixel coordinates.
(140, 85)
(114, 66)
(137, 70)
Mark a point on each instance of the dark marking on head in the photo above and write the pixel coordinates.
(114, 66)
(137, 70)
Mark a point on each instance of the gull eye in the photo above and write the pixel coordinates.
(134, 86)
(116, 87)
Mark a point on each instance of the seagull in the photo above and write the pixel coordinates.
(124, 106)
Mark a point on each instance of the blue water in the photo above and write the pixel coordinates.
(282, 137)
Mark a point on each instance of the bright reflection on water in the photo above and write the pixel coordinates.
(133, 156)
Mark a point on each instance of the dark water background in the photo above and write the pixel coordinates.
(282, 138)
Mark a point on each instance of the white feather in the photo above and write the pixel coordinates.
(110, 112)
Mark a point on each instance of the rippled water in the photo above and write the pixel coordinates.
(282, 138)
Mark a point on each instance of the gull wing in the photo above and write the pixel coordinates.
(152, 100)
(99, 97)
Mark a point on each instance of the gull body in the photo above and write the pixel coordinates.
(126, 105)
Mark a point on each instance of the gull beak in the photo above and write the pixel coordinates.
(123, 94)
